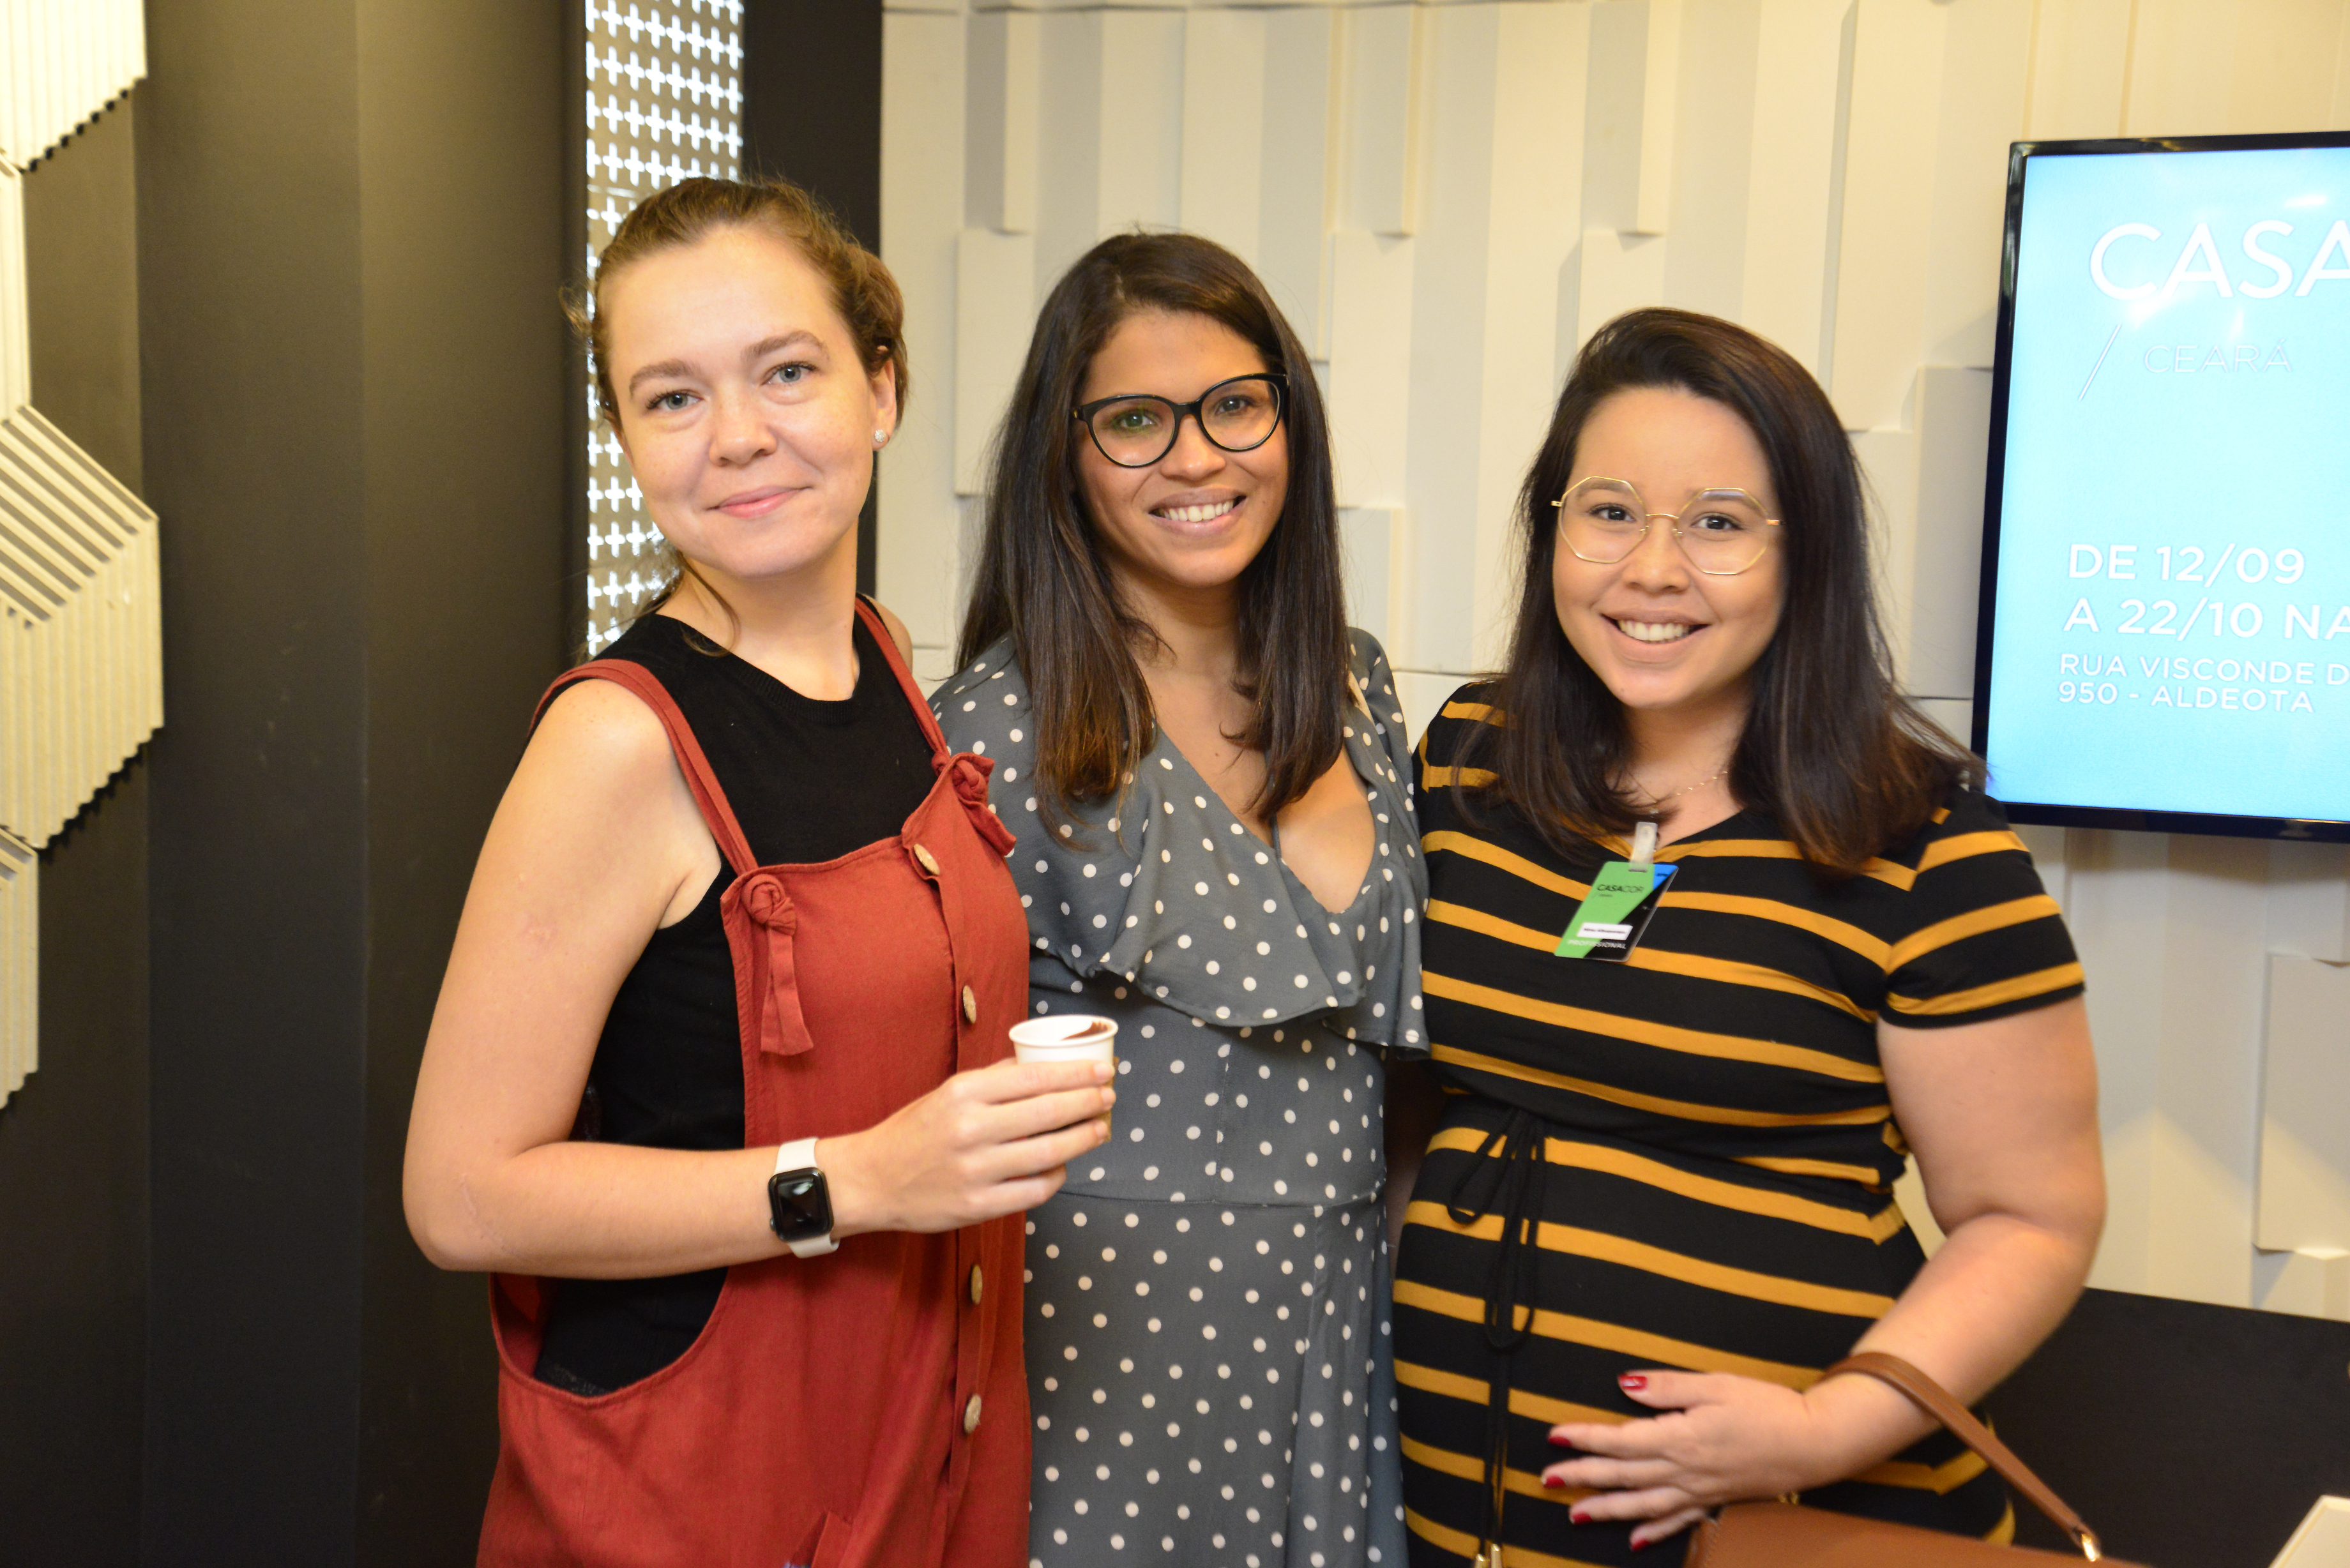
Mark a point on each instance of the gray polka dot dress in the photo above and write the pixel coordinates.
(1207, 1303)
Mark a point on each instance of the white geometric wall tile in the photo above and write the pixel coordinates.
(996, 296)
(923, 109)
(1000, 104)
(1799, 61)
(1888, 147)
(1222, 188)
(1369, 376)
(2304, 1182)
(80, 628)
(63, 61)
(1385, 63)
(1986, 48)
(1297, 184)
(20, 961)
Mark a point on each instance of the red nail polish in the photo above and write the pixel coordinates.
(1632, 1382)
(1577, 1516)
(1640, 1545)
(1561, 1442)
(1553, 1483)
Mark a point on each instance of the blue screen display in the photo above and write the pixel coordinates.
(2172, 630)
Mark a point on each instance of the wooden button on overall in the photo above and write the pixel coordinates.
(928, 861)
(974, 1284)
(970, 1417)
(969, 1006)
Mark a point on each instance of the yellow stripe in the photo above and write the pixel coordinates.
(1833, 1169)
(1578, 1243)
(1973, 923)
(1657, 960)
(2004, 1532)
(1433, 775)
(1960, 847)
(1474, 848)
(1463, 1544)
(1664, 1036)
(1526, 1483)
(1887, 1221)
(1477, 1392)
(1941, 1480)
(1885, 871)
(1654, 1348)
(1991, 996)
(1727, 972)
(1836, 931)
(1486, 925)
(1689, 1110)
(1482, 711)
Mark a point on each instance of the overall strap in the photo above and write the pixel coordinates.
(921, 705)
(646, 688)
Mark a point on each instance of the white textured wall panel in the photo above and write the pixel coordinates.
(2305, 1137)
(80, 626)
(20, 961)
(61, 61)
(1449, 198)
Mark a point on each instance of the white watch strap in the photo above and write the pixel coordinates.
(800, 1154)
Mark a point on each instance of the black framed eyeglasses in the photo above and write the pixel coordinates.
(1135, 430)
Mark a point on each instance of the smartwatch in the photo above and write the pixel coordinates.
(800, 1204)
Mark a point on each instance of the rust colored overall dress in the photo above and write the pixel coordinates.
(863, 1409)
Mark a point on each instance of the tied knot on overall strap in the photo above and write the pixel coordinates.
(1506, 1180)
(968, 775)
(766, 902)
(775, 989)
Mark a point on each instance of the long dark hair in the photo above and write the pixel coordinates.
(1044, 581)
(1847, 765)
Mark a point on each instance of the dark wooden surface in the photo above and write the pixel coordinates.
(2187, 1436)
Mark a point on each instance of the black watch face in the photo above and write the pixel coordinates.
(800, 1205)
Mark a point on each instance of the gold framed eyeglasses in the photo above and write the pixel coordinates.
(1721, 532)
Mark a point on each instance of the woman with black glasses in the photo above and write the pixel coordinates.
(1205, 769)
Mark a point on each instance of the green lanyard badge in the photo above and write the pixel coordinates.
(1622, 900)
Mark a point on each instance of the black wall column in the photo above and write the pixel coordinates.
(812, 115)
(352, 227)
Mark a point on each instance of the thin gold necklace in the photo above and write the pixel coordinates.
(1656, 800)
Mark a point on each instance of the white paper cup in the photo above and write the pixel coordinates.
(1065, 1037)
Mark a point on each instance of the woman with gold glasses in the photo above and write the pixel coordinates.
(1720, 930)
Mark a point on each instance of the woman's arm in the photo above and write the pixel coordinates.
(1414, 1110)
(597, 843)
(2002, 1117)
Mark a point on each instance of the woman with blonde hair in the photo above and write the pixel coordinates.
(717, 1081)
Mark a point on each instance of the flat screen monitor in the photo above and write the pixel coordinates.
(2164, 641)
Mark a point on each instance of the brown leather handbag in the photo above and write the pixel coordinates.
(1784, 1535)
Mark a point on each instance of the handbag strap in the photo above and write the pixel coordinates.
(1936, 1401)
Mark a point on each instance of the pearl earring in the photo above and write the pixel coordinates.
(880, 438)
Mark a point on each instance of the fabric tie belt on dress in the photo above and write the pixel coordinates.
(1514, 1175)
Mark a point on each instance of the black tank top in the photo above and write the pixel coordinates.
(809, 781)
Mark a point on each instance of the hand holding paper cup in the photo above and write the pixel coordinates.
(1065, 1037)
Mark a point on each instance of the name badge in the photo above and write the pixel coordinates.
(1608, 924)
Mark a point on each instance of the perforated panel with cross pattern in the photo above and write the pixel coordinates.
(664, 103)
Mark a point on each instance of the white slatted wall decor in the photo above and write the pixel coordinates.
(61, 61)
(1448, 198)
(664, 103)
(80, 629)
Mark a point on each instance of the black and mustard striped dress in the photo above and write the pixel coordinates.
(1713, 1189)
